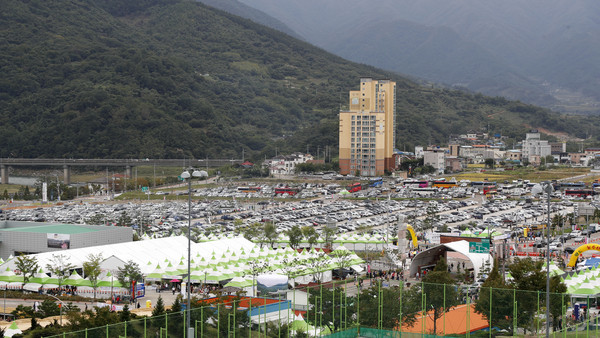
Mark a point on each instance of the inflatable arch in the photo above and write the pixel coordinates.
(412, 235)
(580, 250)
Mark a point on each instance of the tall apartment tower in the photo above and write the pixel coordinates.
(367, 133)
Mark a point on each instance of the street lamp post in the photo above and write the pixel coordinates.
(187, 175)
(538, 189)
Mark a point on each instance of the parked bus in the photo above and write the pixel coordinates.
(354, 187)
(248, 189)
(444, 184)
(376, 182)
(286, 191)
(414, 183)
(580, 192)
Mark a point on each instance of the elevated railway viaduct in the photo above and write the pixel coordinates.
(128, 164)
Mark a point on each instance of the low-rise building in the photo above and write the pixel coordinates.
(18, 237)
(436, 159)
(534, 148)
(286, 164)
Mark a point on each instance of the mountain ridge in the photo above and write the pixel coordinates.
(533, 38)
(166, 79)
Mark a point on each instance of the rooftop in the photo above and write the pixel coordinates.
(55, 229)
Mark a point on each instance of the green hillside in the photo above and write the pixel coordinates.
(169, 78)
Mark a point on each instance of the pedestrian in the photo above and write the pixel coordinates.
(85, 306)
(173, 290)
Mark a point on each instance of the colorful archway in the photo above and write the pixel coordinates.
(412, 235)
(583, 248)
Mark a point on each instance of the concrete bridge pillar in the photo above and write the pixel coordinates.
(67, 174)
(4, 174)
(128, 172)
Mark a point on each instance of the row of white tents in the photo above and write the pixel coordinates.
(162, 260)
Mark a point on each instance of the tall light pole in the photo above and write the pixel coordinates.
(187, 175)
(538, 189)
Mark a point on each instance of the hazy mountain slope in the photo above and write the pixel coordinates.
(548, 44)
(435, 54)
(169, 78)
(237, 8)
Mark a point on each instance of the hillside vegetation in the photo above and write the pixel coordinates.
(171, 78)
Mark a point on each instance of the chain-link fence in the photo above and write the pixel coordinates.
(371, 308)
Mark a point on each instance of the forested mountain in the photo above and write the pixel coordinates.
(173, 78)
(538, 51)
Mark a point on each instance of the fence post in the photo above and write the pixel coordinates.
(106, 330)
(332, 307)
(587, 318)
(145, 326)
(400, 313)
(234, 323)
(423, 309)
(444, 305)
(380, 305)
(250, 311)
(490, 330)
(514, 312)
(321, 305)
(537, 322)
(468, 328)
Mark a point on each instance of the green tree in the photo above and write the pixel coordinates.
(431, 217)
(502, 301)
(270, 233)
(124, 220)
(438, 286)
(159, 307)
(489, 163)
(28, 266)
(331, 305)
(341, 258)
(295, 236)
(158, 312)
(92, 270)
(96, 219)
(389, 298)
(125, 315)
(328, 234)
(48, 308)
(129, 273)
(60, 267)
(252, 232)
(530, 280)
(311, 235)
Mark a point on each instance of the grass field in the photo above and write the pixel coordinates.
(530, 174)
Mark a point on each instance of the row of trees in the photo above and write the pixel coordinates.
(266, 234)
(60, 268)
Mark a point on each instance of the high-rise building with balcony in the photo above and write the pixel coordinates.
(367, 129)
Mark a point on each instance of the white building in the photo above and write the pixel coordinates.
(286, 164)
(435, 159)
(534, 148)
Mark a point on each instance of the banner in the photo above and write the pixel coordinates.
(60, 241)
(44, 192)
(271, 283)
